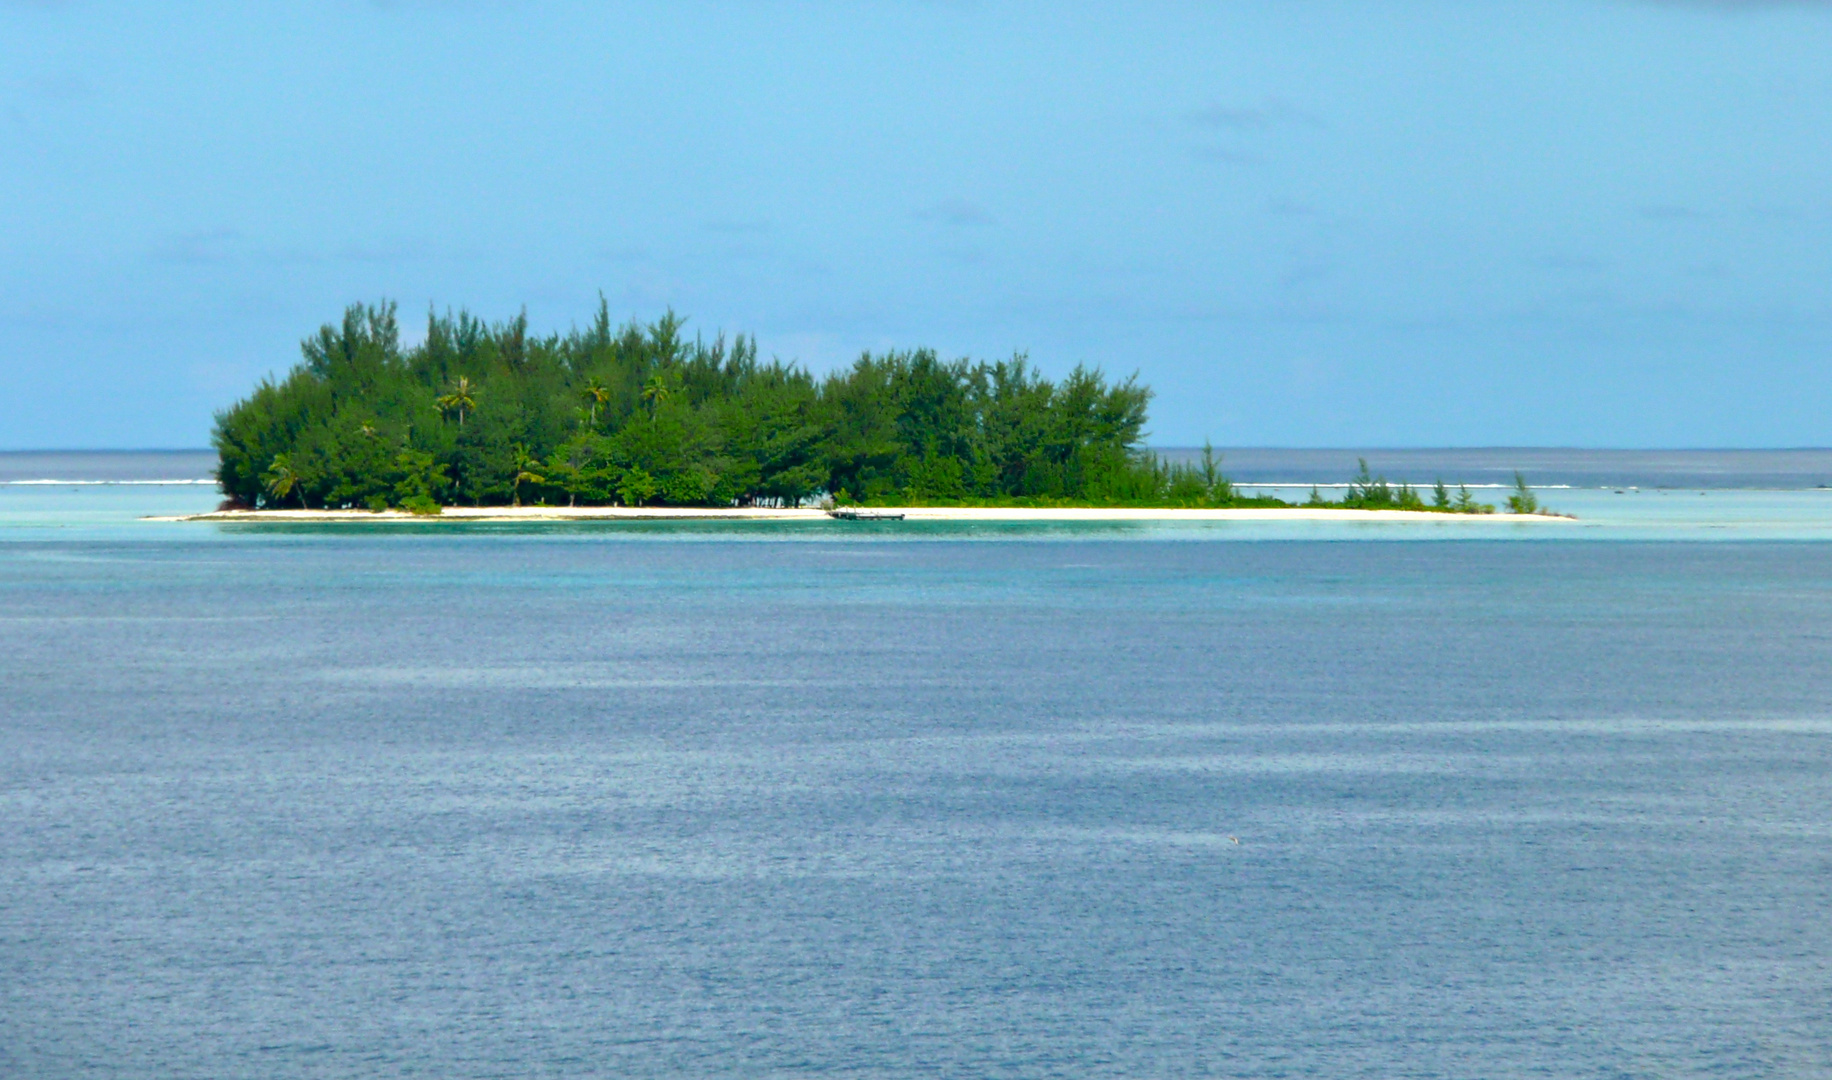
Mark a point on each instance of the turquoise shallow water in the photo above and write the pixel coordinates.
(1691, 515)
(954, 801)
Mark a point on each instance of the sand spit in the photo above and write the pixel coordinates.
(910, 513)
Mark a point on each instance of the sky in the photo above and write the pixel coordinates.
(1595, 223)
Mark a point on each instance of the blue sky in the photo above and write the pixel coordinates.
(1599, 223)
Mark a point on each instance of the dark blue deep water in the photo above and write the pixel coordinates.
(634, 802)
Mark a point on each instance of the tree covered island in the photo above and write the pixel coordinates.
(487, 414)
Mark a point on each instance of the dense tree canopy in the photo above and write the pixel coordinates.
(486, 413)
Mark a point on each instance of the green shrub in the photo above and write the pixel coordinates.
(1523, 501)
(1467, 504)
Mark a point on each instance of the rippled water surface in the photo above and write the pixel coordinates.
(712, 801)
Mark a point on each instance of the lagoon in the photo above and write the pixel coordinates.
(902, 798)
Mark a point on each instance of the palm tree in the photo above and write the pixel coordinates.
(595, 394)
(655, 391)
(524, 463)
(282, 481)
(460, 398)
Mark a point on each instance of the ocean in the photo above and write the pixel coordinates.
(872, 800)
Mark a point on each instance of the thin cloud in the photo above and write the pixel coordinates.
(1227, 126)
(1269, 114)
(960, 213)
(404, 251)
(197, 248)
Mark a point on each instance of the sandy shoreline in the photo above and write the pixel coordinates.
(910, 513)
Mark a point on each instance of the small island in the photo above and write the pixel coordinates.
(484, 419)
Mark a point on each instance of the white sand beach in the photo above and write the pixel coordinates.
(909, 513)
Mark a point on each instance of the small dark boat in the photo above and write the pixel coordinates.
(860, 513)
